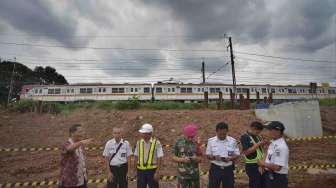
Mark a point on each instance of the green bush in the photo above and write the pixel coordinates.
(24, 105)
(328, 102)
(171, 105)
(106, 105)
(131, 104)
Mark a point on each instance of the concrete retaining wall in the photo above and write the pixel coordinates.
(301, 119)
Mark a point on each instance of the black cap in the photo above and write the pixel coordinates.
(257, 125)
(277, 125)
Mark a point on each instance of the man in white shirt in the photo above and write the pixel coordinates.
(276, 162)
(117, 153)
(148, 153)
(222, 150)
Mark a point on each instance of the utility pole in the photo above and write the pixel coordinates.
(203, 71)
(233, 69)
(11, 83)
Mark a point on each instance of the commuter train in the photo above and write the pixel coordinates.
(167, 92)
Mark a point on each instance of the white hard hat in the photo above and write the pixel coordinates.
(146, 128)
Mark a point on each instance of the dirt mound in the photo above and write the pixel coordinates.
(36, 130)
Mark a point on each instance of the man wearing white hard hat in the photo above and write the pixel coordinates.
(148, 153)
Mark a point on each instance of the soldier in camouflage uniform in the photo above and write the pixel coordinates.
(187, 154)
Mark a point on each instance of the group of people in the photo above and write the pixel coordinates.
(266, 162)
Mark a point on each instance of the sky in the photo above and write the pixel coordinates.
(145, 41)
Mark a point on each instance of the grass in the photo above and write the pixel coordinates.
(328, 102)
(130, 104)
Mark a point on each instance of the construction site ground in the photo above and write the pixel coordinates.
(27, 130)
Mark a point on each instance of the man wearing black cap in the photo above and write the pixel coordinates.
(253, 147)
(276, 163)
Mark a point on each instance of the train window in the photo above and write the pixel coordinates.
(168, 89)
(40, 91)
(226, 90)
(186, 90)
(202, 89)
(58, 91)
(131, 89)
(85, 90)
(245, 90)
(158, 90)
(72, 90)
(121, 90)
(35, 90)
(263, 90)
(68, 90)
(239, 90)
(146, 90)
(173, 89)
(99, 90)
(272, 90)
(51, 91)
(135, 89)
(114, 90)
(82, 90)
(198, 89)
(331, 91)
(104, 90)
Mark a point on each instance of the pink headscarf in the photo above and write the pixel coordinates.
(190, 130)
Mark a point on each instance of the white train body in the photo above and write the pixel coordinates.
(166, 92)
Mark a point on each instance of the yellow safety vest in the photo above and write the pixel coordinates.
(260, 153)
(149, 164)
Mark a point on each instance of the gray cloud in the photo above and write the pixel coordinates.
(247, 21)
(37, 17)
(302, 28)
(309, 23)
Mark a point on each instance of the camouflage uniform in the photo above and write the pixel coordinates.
(188, 173)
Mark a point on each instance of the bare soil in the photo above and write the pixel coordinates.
(45, 130)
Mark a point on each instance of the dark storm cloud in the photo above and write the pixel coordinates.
(37, 17)
(309, 21)
(247, 21)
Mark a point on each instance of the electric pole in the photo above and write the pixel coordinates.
(11, 83)
(233, 69)
(203, 71)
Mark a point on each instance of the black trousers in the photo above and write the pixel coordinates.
(218, 175)
(278, 180)
(256, 180)
(146, 177)
(119, 176)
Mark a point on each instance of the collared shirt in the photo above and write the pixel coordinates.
(73, 166)
(158, 153)
(121, 157)
(278, 153)
(223, 148)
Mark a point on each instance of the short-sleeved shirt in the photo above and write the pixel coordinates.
(223, 148)
(185, 148)
(73, 166)
(121, 157)
(158, 153)
(278, 153)
(247, 143)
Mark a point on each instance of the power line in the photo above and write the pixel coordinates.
(217, 70)
(161, 49)
(285, 58)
